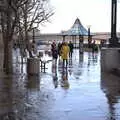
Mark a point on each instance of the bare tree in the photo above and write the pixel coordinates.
(8, 23)
(32, 14)
(22, 14)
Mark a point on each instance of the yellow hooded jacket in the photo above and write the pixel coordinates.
(65, 52)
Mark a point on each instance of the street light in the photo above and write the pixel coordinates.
(33, 34)
(89, 36)
(113, 41)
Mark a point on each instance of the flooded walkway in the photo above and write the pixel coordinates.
(78, 92)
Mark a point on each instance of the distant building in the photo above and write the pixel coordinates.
(76, 30)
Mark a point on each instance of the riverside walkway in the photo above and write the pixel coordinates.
(80, 92)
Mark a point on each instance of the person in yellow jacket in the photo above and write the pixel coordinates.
(65, 53)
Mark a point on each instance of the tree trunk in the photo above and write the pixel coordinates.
(8, 66)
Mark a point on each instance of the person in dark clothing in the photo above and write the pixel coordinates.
(53, 47)
(55, 54)
(71, 49)
(54, 51)
(59, 48)
(94, 47)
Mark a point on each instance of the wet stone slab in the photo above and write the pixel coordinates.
(80, 92)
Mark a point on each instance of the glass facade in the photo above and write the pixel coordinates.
(77, 29)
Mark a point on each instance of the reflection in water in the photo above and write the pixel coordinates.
(95, 57)
(54, 72)
(64, 78)
(70, 66)
(12, 98)
(5, 97)
(89, 56)
(70, 72)
(80, 65)
(70, 61)
(27, 102)
(111, 87)
(92, 58)
(64, 73)
(81, 58)
(33, 82)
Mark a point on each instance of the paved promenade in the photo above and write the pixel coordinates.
(79, 92)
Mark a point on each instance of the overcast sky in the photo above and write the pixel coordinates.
(96, 13)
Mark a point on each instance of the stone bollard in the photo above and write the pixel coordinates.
(33, 66)
(110, 59)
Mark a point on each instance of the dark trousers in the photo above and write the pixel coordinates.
(65, 62)
(70, 54)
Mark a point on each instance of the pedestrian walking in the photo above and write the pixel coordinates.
(71, 49)
(54, 51)
(59, 48)
(64, 53)
(93, 46)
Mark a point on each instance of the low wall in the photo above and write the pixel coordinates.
(110, 59)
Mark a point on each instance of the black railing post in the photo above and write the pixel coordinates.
(113, 41)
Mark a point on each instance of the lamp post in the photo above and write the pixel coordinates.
(113, 41)
(33, 34)
(89, 36)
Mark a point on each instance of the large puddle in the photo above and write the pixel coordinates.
(78, 92)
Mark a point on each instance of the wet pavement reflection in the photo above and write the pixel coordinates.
(78, 92)
(110, 85)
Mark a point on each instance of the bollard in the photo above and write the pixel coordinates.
(33, 66)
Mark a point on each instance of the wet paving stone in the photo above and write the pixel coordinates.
(80, 92)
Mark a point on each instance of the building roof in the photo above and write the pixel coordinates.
(76, 29)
